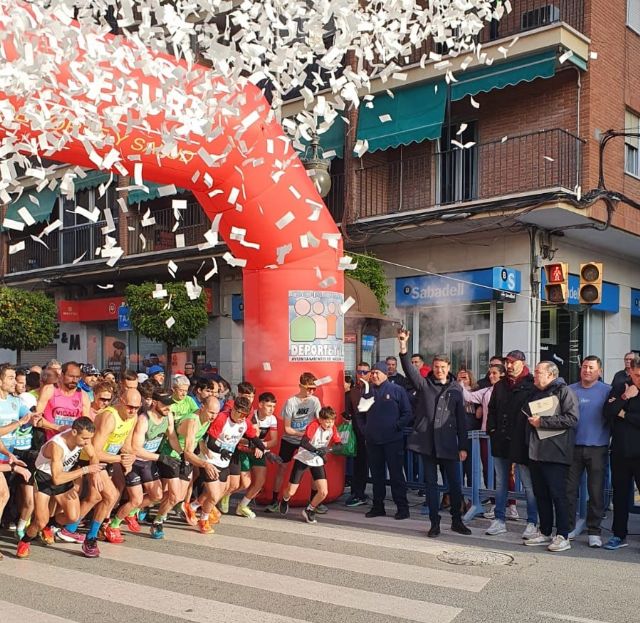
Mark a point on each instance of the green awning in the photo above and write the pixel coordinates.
(138, 195)
(414, 115)
(332, 139)
(501, 75)
(93, 179)
(40, 211)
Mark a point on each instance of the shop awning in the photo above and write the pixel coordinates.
(93, 179)
(39, 204)
(413, 115)
(499, 76)
(332, 140)
(138, 195)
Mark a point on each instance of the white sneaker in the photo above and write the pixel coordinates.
(530, 532)
(538, 540)
(559, 544)
(497, 527)
(512, 513)
(491, 513)
(572, 535)
(595, 540)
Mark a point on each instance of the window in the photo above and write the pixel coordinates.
(632, 144)
(458, 167)
(633, 15)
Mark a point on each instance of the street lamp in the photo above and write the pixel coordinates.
(317, 167)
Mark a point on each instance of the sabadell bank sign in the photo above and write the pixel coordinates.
(462, 287)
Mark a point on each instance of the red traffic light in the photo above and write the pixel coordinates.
(556, 273)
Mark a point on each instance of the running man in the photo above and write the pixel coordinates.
(54, 477)
(298, 412)
(219, 450)
(64, 403)
(144, 487)
(314, 446)
(178, 457)
(266, 425)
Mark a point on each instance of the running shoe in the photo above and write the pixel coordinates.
(190, 514)
(309, 515)
(615, 542)
(90, 548)
(284, 507)
(113, 535)
(204, 527)
(274, 507)
(223, 505)
(245, 511)
(354, 501)
(66, 536)
(24, 549)
(321, 509)
(157, 531)
(132, 524)
(216, 512)
(46, 536)
(20, 533)
(142, 516)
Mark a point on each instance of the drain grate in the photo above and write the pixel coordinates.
(476, 558)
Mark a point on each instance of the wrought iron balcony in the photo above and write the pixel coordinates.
(517, 165)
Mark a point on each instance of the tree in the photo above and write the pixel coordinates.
(151, 316)
(28, 320)
(371, 273)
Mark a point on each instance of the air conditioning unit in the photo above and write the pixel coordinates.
(547, 14)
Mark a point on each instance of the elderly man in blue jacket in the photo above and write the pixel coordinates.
(387, 417)
(439, 432)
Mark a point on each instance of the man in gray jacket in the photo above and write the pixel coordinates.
(553, 413)
(439, 432)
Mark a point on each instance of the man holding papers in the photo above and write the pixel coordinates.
(553, 414)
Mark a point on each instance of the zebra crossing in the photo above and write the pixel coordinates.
(271, 570)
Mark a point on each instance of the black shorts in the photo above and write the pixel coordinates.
(287, 450)
(175, 469)
(233, 469)
(29, 457)
(44, 484)
(299, 468)
(141, 473)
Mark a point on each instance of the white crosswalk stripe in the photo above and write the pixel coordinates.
(277, 546)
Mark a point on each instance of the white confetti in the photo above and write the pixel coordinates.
(323, 380)
(25, 215)
(593, 55)
(549, 158)
(283, 221)
(170, 321)
(11, 224)
(347, 305)
(106, 286)
(234, 261)
(384, 118)
(473, 102)
(266, 366)
(17, 247)
(565, 57)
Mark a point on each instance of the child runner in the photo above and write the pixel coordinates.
(314, 445)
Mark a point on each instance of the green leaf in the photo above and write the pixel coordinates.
(28, 320)
(371, 273)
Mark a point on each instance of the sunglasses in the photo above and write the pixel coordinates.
(310, 389)
(104, 399)
(362, 371)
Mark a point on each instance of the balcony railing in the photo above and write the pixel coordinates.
(526, 15)
(524, 164)
(75, 242)
(160, 236)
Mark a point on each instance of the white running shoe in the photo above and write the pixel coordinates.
(538, 540)
(595, 540)
(490, 513)
(559, 544)
(512, 513)
(530, 532)
(245, 511)
(497, 527)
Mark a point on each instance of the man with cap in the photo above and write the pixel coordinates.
(89, 378)
(507, 426)
(439, 432)
(386, 419)
(156, 374)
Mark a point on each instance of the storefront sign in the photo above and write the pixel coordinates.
(610, 294)
(462, 287)
(635, 303)
(315, 326)
(89, 310)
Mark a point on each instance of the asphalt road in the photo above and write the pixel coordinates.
(346, 568)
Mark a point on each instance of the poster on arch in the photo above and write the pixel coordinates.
(316, 326)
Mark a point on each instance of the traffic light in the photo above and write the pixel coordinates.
(590, 291)
(557, 286)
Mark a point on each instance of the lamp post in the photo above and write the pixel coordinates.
(317, 167)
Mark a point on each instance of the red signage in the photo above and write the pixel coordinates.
(89, 310)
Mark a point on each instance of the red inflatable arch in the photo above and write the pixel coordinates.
(272, 217)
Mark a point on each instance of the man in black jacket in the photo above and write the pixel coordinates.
(439, 432)
(623, 411)
(553, 414)
(506, 426)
